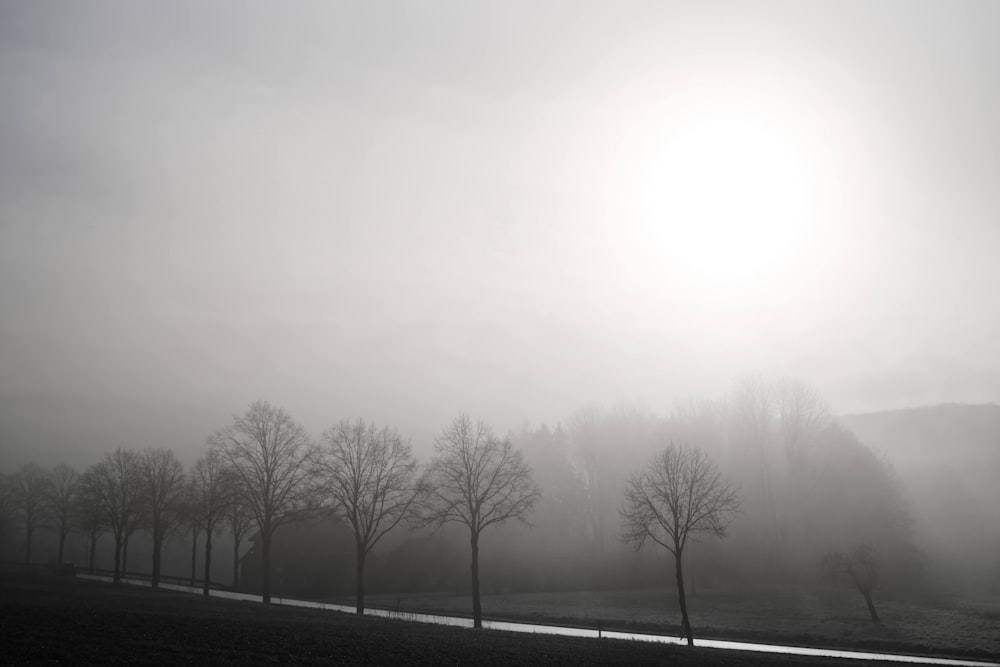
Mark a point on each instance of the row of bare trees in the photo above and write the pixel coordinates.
(778, 445)
(127, 491)
(370, 478)
(263, 471)
(36, 498)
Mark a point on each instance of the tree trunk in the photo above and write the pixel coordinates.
(871, 607)
(359, 577)
(236, 563)
(125, 555)
(118, 559)
(265, 567)
(477, 610)
(685, 621)
(29, 533)
(866, 590)
(62, 545)
(157, 547)
(93, 548)
(208, 562)
(194, 555)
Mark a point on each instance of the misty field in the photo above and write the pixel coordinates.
(48, 620)
(821, 616)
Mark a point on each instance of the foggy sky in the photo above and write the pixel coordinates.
(399, 211)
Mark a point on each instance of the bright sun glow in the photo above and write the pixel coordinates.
(722, 206)
(726, 199)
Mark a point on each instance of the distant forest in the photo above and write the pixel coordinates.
(896, 485)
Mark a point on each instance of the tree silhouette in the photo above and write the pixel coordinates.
(7, 500)
(269, 453)
(162, 495)
(90, 518)
(678, 495)
(210, 494)
(193, 521)
(238, 518)
(115, 486)
(61, 499)
(31, 488)
(370, 477)
(478, 480)
(862, 568)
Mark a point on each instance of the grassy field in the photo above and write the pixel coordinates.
(68, 621)
(832, 616)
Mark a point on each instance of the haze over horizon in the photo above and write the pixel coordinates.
(402, 212)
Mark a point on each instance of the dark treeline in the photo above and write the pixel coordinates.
(544, 508)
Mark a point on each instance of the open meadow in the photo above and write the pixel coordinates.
(68, 621)
(825, 615)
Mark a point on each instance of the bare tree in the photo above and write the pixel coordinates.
(61, 499)
(210, 495)
(862, 568)
(607, 444)
(585, 427)
(802, 415)
(115, 485)
(193, 521)
(162, 490)
(752, 410)
(90, 517)
(31, 487)
(238, 518)
(269, 453)
(7, 500)
(679, 494)
(478, 480)
(370, 477)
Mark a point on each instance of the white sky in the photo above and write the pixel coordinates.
(403, 210)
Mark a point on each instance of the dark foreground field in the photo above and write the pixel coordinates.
(50, 620)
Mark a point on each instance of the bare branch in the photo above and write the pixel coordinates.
(677, 496)
(269, 455)
(478, 480)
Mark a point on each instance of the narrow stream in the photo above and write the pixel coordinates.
(510, 626)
